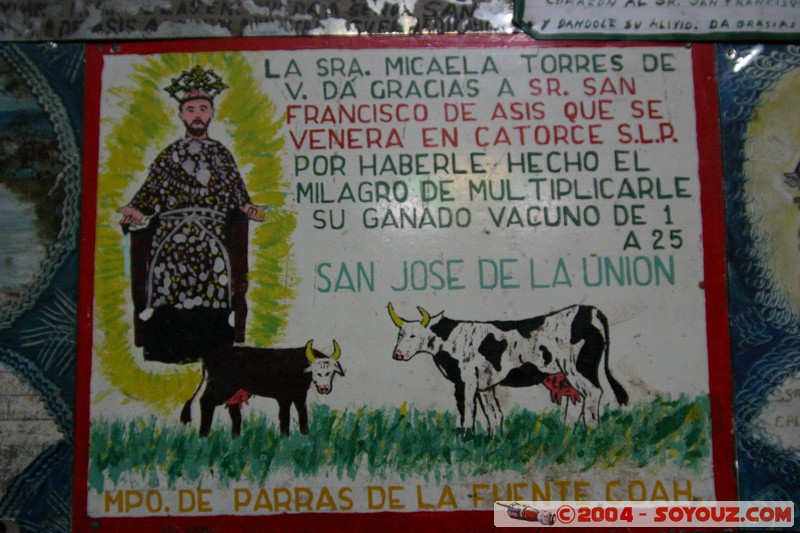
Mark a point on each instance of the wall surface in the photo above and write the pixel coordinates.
(96, 20)
(42, 88)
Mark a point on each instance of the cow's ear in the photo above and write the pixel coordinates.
(436, 318)
(338, 369)
(307, 370)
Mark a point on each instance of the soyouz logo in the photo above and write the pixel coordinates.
(519, 511)
(645, 514)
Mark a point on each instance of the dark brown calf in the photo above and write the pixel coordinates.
(284, 374)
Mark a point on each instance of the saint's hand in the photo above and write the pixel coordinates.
(254, 212)
(131, 216)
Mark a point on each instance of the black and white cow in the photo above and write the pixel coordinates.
(478, 356)
(234, 373)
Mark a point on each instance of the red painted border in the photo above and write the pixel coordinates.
(83, 364)
(715, 287)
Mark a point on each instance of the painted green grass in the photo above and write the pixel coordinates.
(398, 442)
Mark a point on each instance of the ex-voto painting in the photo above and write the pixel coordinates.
(389, 282)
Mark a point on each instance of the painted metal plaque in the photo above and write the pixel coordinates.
(673, 20)
(387, 282)
(758, 86)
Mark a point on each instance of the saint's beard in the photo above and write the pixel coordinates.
(198, 128)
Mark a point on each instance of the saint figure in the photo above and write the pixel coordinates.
(189, 240)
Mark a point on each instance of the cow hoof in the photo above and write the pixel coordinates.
(468, 434)
(186, 415)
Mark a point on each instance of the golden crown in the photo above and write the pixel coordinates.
(196, 82)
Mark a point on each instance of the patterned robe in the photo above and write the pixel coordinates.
(195, 187)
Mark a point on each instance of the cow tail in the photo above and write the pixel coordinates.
(186, 412)
(619, 392)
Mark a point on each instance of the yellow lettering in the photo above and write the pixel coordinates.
(263, 501)
(517, 495)
(659, 492)
(496, 493)
(203, 503)
(133, 500)
(395, 503)
(642, 496)
(540, 496)
(447, 498)
(370, 502)
(609, 496)
(129, 500)
(282, 503)
(476, 497)
(153, 501)
(421, 504)
(185, 501)
(344, 496)
(241, 498)
(580, 494)
(563, 489)
(325, 500)
(303, 497)
(114, 498)
(189, 502)
(687, 492)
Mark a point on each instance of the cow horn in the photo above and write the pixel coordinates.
(310, 352)
(336, 350)
(395, 318)
(426, 317)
